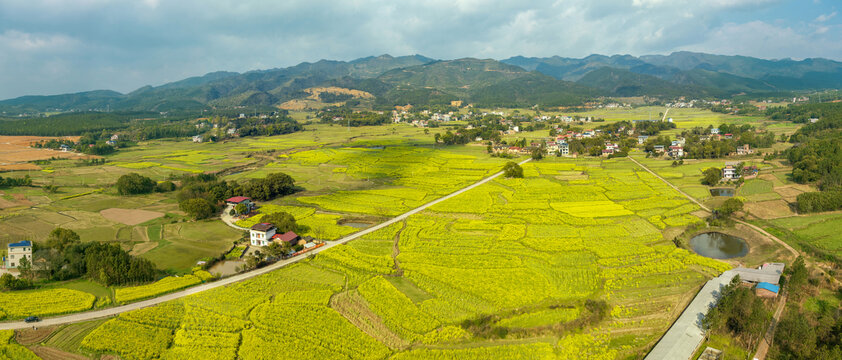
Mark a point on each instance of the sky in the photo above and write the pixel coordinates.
(62, 46)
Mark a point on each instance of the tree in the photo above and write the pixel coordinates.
(61, 238)
(711, 176)
(512, 170)
(165, 186)
(198, 208)
(730, 206)
(283, 221)
(134, 183)
(537, 154)
(241, 208)
(25, 268)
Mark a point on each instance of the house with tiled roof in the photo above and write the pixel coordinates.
(17, 251)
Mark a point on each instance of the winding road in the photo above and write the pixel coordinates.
(98, 314)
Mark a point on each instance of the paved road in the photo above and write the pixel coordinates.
(230, 220)
(98, 314)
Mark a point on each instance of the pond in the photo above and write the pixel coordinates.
(722, 192)
(718, 245)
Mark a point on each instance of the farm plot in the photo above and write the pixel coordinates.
(524, 251)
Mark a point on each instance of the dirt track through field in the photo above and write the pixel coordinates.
(98, 314)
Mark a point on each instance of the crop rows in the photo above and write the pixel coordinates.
(165, 285)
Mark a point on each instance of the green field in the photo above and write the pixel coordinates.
(511, 244)
(821, 230)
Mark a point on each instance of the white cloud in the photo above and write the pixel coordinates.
(826, 17)
(125, 44)
(13, 40)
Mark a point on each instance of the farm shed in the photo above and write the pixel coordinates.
(766, 290)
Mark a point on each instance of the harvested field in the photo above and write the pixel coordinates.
(48, 353)
(15, 152)
(769, 209)
(129, 216)
(33, 335)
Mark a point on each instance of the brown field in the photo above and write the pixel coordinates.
(315, 91)
(769, 209)
(129, 216)
(15, 152)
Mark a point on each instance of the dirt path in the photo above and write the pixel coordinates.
(763, 349)
(752, 226)
(98, 314)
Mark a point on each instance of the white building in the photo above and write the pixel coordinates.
(16, 252)
(261, 234)
(729, 172)
(564, 148)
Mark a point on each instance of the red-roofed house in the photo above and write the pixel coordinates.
(289, 237)
(237, 200)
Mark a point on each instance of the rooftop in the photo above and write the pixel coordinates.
(768, 286)
(287, 236)
(264, 227)
(21, 244)
(237, 199)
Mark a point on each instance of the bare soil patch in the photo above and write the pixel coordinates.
(33, 335)
(769, 209)
(130, 216)
(49, 353)
(15, 152)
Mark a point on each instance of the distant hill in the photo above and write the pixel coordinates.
(717, 75)
(624, 83)
(421, 80)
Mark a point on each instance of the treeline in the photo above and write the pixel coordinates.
(464, 136)
(817, 156)
(803, 113)
(278, 125)
(69, 258)
(739, 315)
(807, 334)
(347, 117)
(70, 124)
(13, 182)
(201, 196)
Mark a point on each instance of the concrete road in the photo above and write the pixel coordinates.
(98, 314)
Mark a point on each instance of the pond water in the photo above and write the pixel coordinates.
(356, 225)
(718, 245)
(722, 192)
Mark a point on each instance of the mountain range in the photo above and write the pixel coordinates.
(416, 79)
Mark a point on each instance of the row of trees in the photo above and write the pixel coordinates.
(739, 314)
(807, 334)
(351, 118)
(12, 182)
(66, 257)
(201, 196)
(817, 155)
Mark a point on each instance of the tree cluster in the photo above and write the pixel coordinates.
(134, 184)
(13, 182)
(738, 314)
(67, 258)
(201, 195)
(512, 170)
(807, 334)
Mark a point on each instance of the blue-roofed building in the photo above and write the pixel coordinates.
(767, 290)
(16, 252)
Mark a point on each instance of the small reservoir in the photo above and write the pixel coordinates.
(718, 245)
(722, 192)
